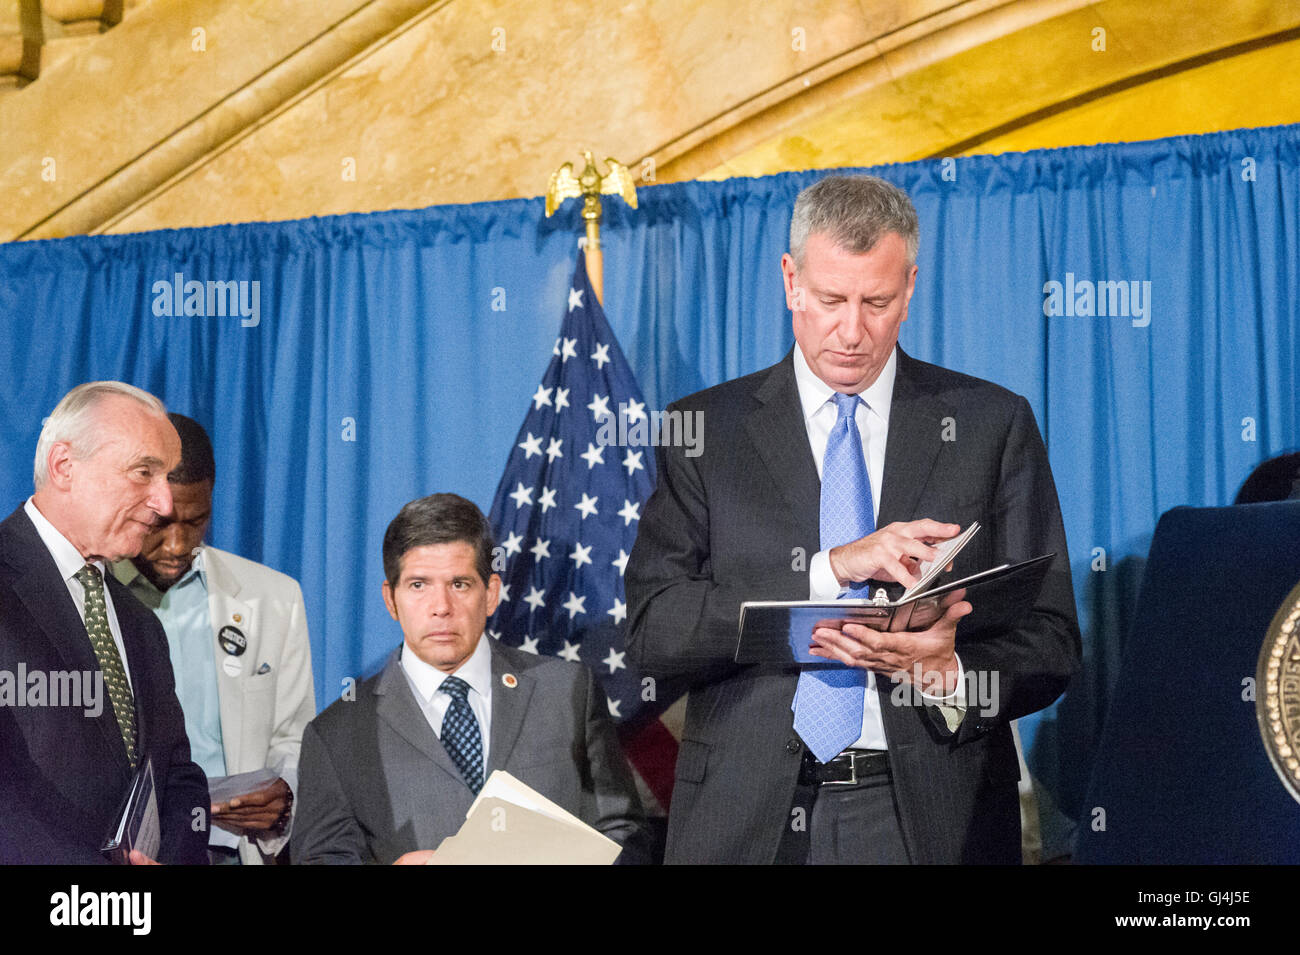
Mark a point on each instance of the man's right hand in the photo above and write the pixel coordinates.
(891, 553)
(418, 857)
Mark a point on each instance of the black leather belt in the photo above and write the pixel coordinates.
(847, 769)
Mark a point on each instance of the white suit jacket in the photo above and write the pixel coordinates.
(268, 703)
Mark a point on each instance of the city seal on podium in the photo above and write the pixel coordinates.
(1277, 694)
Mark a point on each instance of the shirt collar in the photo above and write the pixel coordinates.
(476, 671)
(814, 393)
(128, 574)
(66, 557)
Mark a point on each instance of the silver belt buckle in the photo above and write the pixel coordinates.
(853, 772)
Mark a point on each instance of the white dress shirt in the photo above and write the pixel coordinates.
(872, 419)
(426, 683)
(69, 561)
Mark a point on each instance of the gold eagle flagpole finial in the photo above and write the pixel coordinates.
(591, 185)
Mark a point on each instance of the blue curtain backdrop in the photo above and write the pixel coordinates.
(395, 353)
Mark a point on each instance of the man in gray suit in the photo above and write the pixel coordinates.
(385, 777)
(828, 469)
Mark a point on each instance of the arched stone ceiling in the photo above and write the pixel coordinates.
(284, 110)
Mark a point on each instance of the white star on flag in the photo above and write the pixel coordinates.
(613, 708)
(567, 350)
(531, 446)
(512, 542)
(575, 298)
(547, 500)
(599, 406)
(593, 455)
(618, 612)
(635, 409)
(614, 660)
(535, 600)
(630, 512)
(541, 549)
(529, 645)
(575, 605)
(581, 555)
(633, 461)
(521, 495)
(505, 592)
(543, 397)
(587, 505)
(553, 449)
(621, 562)
(600, 356)
(561, 399)
(570, 652)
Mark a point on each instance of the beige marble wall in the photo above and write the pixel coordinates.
(211, 111)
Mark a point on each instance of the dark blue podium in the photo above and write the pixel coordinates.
(1181, 772)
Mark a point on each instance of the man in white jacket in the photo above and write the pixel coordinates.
(237, 633)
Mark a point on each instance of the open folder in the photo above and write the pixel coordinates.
(513, 824)
(780, 631)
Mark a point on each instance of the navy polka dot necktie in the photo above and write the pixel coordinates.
(460, 733)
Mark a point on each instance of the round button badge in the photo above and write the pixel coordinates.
(232, 640)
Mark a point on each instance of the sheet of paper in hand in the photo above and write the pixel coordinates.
(226, 788)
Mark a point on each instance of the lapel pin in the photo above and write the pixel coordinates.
(264, 668)
(232, 641)
(510, 680)
(238, 617)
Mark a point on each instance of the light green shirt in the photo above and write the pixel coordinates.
(183, 610)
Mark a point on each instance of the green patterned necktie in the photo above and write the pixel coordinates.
(110, 662)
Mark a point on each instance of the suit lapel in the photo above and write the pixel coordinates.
(396, 706)
(226, 609)
(914, 441)
(777, 431)
(509, 705)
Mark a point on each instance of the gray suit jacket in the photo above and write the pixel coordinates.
(741, 521)
(375, 782)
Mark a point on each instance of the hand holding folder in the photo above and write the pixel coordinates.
(512, 824)
(779, 631)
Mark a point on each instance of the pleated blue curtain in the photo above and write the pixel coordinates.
(394, 354)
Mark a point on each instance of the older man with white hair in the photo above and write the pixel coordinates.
(101, 469)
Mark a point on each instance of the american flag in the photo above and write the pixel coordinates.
(565, 517)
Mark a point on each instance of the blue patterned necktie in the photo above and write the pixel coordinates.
(828, 702)
(460, 734)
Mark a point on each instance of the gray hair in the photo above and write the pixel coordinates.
(73, 421)
(854, 212)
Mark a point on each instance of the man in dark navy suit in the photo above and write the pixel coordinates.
(101, 483)
(833, 467)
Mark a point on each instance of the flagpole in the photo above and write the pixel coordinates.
(595, 258)
(590, 185)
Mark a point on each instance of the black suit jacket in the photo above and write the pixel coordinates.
(81, 758)
(375, 782)
(741, 522)
(37, 825)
